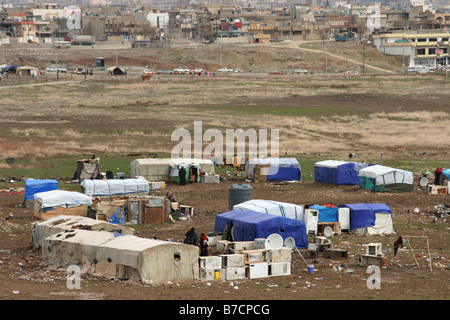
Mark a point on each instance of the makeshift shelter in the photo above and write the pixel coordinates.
(27, 71)
(246, 225)
(281, 209)
(36, 186)
(273, 169)
(166, 169)
(370, 218)
(337, 172)
(326, 213)
(115, 187)
(60, 202)
(4, 68)
(62, 223)
(123, 256)
(385, 179)
(88, 169)
(116, 71)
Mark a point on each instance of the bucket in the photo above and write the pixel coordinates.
(310, 270)
(216, 275)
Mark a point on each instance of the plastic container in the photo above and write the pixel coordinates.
(310, 270)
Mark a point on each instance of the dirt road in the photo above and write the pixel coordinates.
(298, 46)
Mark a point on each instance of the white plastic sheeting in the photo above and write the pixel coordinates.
(110, 187)
(281, 209)
(386, 175)
(62, 198)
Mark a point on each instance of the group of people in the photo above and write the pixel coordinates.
(201, 241)
(193, 175)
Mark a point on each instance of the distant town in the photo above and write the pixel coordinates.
(418, 29)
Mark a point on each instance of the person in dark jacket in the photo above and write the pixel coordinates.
(182, 175)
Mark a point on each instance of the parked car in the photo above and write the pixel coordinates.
(301, 71)
(79, 71)
(224, 69)
(277, 72)
(164, 71)
(55, 69)
(197, 70)
(352, 73)
(148, 71)
(180, 70)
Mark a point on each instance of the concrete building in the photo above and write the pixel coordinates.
(428, 49)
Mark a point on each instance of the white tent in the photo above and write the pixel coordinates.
(282, 209)
(99, 187)
(62, 198)
(382, 178)
(58, 224)
(157, 169)
(123, 256)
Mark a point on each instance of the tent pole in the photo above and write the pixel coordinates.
(429, 255)
(409, 245)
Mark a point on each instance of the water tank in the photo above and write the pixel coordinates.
(239, 193)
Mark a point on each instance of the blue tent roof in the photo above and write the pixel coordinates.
(337, 172)
(250, 225)
(362, 215)
(35, 186)
(326, 214)
(281, 169)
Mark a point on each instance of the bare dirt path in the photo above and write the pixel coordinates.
(298, 46)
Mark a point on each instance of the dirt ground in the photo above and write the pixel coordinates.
(23, 276)
(331, 115)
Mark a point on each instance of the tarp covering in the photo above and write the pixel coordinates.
(154, 261)
(279, 169)
(114, 186)
(250, 225)
(326, 214)
(44, 229)
(281, 209)
(157, 169)
(337, 172)
(446, 173)
(36, 186)
(385, 179)
(62, 198)
(377, 217)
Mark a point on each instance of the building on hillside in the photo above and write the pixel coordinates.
(428, 49)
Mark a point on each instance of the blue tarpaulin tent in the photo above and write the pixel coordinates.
(326, 214)
(36, 186)
(364, 215)
(279, 169)
(250, 225)
(337, 172)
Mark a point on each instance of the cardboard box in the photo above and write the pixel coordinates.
(234, 273)
(279, 269)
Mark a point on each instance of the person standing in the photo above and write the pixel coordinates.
(182, 176)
